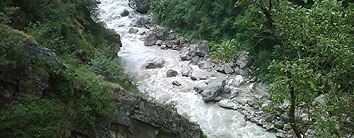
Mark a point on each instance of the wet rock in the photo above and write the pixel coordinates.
(235, 92)
(320, 100)
(203, 77)
(150, 39)
(182, 40)
(169, 44)
(195, 60)
(163, 47)
(204, 65)
(161, 32)
(219, 68)
(193, 78)
(251, 102)
(214, 87)
(133, 31)
(235, 81)
(155, 63)
(244, 72)
(176, 83)
(226, 103)
(279, 124)
(171, 37)
(243, 59)
(141, 22)
(198, 89)
(194, 41)
(159, 42)
(171, 73)
(228, 69)
(268, 126)
(124, 13)
(203, 49)
(175, 47)
(186, 70)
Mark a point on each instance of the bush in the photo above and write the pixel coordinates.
(34, 118)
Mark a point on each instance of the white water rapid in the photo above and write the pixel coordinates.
(216, 122)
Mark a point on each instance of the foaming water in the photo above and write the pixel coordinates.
(216, 122)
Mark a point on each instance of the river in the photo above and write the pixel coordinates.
(216, 122)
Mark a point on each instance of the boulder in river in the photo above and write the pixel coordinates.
(124, 13)
(133, 31)
(226, 103)
(203, 49)
(204, 65)
(186, 70)
(150, 39)
(228, 69)
(171, 73)
(155, 63)
(161, 32)
(176, 83)
(213, 89)
(243, 59)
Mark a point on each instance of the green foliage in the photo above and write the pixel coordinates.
(6, 15)
(320, 46)
(112, 70)
(226, 51)
(34, 118)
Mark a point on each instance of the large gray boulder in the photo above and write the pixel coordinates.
(187, 53)
(124, 13)
(205, 65)
(213, 89)
(228, 69)
(171, 73)
(203, 49)
(226, 103)
(320, 100)
(155, 63)
(161, 32)
(186, 70)
(133, 31)
(243, 59)
(150, 39)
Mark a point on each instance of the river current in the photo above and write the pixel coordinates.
(216, 122)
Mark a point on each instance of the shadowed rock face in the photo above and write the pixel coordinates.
(138, 118)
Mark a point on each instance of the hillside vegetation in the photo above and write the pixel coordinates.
(58, 69)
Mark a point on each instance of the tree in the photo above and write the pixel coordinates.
(316, 47)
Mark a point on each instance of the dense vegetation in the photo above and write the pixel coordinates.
(78, 97)
(302, 48)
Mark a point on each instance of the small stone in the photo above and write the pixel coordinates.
(124, 13)
(226, 103)
(186, 70)
(155, 63)
(176, 83)
(228, 69)
(133, 31)
(203, 78)
(159, 42)
(198, 89)
(171, 73)
(279, 124)
(193, 78)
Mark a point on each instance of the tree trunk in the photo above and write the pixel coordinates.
(292, 91)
